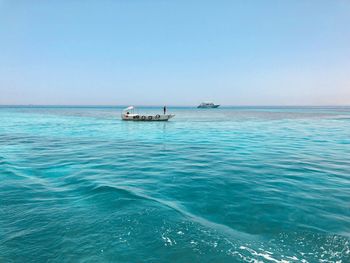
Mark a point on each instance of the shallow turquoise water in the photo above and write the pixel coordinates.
(223, 185)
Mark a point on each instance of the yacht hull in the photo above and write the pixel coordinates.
(208, 106)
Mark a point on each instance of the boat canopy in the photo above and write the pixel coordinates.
(130, 108)
(207, 103)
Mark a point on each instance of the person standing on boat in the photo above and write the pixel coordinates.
(164, 109)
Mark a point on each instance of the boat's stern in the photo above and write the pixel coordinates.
(128, 117)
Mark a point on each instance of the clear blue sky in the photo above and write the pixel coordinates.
(155, 52)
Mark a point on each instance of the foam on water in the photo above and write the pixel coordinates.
(224, 185)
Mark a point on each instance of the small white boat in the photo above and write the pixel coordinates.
(208, 105)
(128, 114)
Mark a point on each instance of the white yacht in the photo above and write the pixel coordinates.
(208, 104)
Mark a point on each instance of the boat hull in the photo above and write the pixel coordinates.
(208, 107)
(137, 117)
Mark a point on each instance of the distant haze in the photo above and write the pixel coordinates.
(175, 52)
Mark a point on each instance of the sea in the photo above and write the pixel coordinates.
(233, 184)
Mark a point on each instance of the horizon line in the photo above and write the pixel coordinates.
(161, 105)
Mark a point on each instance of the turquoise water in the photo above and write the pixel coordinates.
(225, 185)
